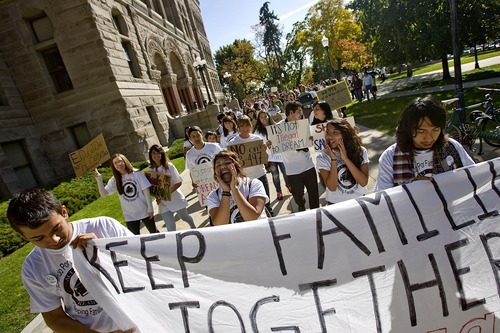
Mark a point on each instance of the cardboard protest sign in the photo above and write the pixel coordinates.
(318, 133)
(290, 135)
(203, 176)
(421, 257)
(160, 185)
(337, 95)
(250, 153)
(89, 157)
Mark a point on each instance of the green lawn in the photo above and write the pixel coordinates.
(14, 307)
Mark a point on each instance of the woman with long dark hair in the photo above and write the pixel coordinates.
(133, 191)
(343, 164)
(174, 200)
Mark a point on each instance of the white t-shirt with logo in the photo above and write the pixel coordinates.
(50, 279)
(345, 189)
(133, 202)
(255, 189)
(177, 199)
(204, 155)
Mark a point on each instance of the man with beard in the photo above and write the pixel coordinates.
(238, 197)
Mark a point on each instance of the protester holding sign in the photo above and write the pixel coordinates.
(133, 191)
(256, 171)
(201, 152)
(275, 160)
(343, 164)
(175, 201)
(421, 149)
(300, 167)
(238, 198)
(48, 274)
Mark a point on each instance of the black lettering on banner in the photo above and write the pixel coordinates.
(294, 329)
(495, 176)
(411, 288)
(495, 263)
(180, 252)
(461, 271)
(427, 234)
(371, 223)
(184, 312)
(276, 240)
(320, 233)
(229, 305)
(119, 264)
(93, 263)
(319, 309)
(485, 214)
(369, 272)
(149, 269)
(255, 309)
(454, 226)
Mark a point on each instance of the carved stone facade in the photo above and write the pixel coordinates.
(72, 69)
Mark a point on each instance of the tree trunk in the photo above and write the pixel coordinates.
(446, 68)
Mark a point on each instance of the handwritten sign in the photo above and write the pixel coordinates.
(89, 157)
(419, 258)
(203, 176)
(250, 153)
(318, 133)
(290, 135)
(160, 185)
(337, 95)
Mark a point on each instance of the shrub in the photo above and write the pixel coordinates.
(176, 149)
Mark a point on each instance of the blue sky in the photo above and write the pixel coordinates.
(227, 20)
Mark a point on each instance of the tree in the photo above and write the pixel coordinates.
(239, 60)
(268, 35)
(295, 54)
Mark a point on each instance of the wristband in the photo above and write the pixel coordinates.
(334, 160)
(226, 193)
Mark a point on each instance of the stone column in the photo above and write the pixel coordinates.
(169, 86)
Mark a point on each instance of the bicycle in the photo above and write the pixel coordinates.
(457, 126)
(488, 121)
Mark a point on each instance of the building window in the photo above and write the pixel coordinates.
(42, 28)
(81, 135)
(19, 161)
(57, 69)
(119, 23)
(129, 56)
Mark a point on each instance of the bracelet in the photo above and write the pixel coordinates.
(226, 193)
(334, 160)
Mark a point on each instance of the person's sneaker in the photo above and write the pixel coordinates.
(279, 196)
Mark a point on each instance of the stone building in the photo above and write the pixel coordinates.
(72, 69)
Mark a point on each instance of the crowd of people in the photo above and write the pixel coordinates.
(421, 150)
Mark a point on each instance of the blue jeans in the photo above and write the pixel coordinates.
(275, 172)
(169, 219)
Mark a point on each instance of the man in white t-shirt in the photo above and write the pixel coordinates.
(201, 152)
(48, 274)
(300, 167)
(422, 149)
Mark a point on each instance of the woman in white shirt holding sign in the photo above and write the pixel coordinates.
(176, 202)
(343, 164)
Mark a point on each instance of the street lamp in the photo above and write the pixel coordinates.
(227, 77)
(200, 65)
(324, 41)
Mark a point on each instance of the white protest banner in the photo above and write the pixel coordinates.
(90, 156)
(290, 135)
(203, 176)
(250, 153)
(318, 133)
(337, 95)
(417, 258)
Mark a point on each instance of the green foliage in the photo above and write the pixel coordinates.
(176, 150)
(9, 239)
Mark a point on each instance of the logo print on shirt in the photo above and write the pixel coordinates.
(129, 190)
(203, 159)
(74, 287)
